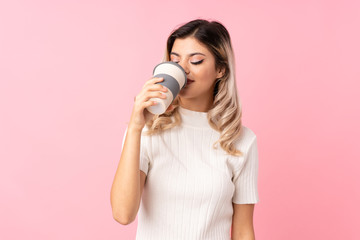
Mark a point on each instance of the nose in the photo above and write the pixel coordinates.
(185, 67)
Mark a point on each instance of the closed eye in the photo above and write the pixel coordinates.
(196, 63)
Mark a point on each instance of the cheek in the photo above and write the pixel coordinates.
(208, 76)
(204, 73)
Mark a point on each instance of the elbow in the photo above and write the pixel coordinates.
(123, 219)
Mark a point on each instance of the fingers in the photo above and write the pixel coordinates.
(151, 94)
(151, 85)
(151, 90)
(148, 104)
(152, 81)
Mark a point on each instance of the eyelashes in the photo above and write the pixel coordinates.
(194, 63)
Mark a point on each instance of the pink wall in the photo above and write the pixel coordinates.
(69, 71)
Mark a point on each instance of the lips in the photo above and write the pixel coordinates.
(189, 81)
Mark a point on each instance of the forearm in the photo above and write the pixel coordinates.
(247, 234)
(247, 237)
(125, 191)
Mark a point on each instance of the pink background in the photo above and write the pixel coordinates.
(69, 71)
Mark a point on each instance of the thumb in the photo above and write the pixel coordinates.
(171, 107)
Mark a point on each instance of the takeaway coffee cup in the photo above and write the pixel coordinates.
(174, 79)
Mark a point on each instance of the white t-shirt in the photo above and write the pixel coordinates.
(190, 186)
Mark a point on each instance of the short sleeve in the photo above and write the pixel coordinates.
(245, 179)
(144, 157)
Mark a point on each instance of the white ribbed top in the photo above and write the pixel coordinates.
(190, 186)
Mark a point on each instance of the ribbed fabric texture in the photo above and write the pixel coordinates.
(190, 186)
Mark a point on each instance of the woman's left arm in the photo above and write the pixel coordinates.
(242, 222)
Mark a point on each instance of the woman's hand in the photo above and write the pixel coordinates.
(140, 115)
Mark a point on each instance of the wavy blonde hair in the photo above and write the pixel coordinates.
(225, 113)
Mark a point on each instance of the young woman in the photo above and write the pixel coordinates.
(192, 171)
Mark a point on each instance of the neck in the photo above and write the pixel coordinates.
(195, 104)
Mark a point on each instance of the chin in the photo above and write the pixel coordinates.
(185, 94)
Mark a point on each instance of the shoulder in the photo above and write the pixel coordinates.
(246, 138)
(246, 131)
(242, 143)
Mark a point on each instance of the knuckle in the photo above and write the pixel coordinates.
(146, 89)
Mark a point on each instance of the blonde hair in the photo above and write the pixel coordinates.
(225, 113)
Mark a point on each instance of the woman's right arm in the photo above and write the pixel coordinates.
(129, 181)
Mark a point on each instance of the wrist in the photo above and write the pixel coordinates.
(134, 128)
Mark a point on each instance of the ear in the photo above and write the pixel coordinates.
(220, 73)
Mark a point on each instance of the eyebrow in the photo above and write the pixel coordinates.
(190, 55)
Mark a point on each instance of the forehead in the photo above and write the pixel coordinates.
(189, 45)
